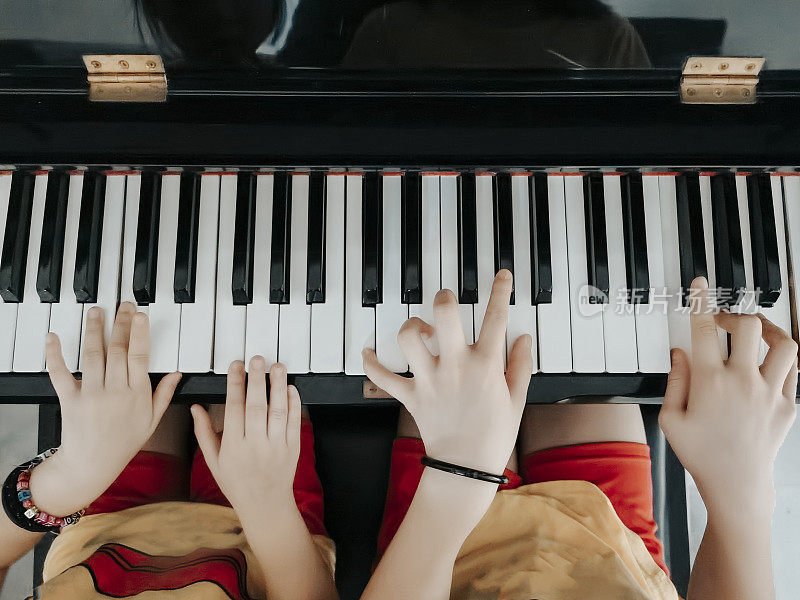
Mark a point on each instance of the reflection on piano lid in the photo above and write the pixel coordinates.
(251, 226)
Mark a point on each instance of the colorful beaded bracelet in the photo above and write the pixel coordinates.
(18, 503)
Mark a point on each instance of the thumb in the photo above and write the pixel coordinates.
(164, 392)
(207, 438)
(520, 367)
(676, 395)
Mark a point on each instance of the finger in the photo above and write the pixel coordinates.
(520, 367)
(139, 353)
(63, 382)
(705, 338)
(745, 333)
(117, 357)
(676, 395)
(207, 439)
(447, 324)
(93, 361)
(255, 417)
(234, 399)
(495, 321)
(790, 384)
(295, 420)
(782, 354)
(165, 390)
(278, 403)
(409, 338)
(392, 383)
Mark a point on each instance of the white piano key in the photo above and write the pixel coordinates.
(132, 193)
(66, 316)
(431, 253)
(521, 314)
(555, 330)
(749, 302)
(359, 321)
(780, 312)
(680, 332)
(33, 315)
(165, 313)
(197, 318)
(294, 346)
(791, 190)
(448, 186)
(391, 313)
(588, 349)
(484, 208)
(230, 322)
(110, 256)
(711, 263)
(327, 318)
(619, 322)
(262, 317)
(652, 331)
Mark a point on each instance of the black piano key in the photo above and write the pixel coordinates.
(728, 252)
(244, 239)
(542, 270)
(51, 249)
(595, 223)
(691, 239)
(411, 242)
(90, 236)
(634, 232)
(315, 273)
(763, 240)
(503, 225)
(15, 243)
(186, 243)
(146, 255)
(281, 238)
(467, 240)
(372, 239)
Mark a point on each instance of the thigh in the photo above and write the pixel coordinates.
(555, 425)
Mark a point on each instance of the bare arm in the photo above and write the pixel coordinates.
(254, 462)
(468, 412)
(726, 420)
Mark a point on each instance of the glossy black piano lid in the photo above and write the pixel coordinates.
(425, 82)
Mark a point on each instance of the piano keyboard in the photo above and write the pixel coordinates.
(311, 267)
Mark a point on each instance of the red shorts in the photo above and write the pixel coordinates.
(620, 469)
(152, 477)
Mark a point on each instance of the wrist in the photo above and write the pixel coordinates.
(460, 497)
(754, 503)
(256, 507)
(60, 489)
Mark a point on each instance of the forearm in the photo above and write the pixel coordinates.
(292, 565)
(14, 542)
(735, 560)
(419, 562)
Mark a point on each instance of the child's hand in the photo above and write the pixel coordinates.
(255, 458)
(726, 420)
(467, 409)
(106, 417)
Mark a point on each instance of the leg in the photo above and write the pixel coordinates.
(156, 474)
(603, 444)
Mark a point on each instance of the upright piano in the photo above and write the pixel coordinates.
(296, 179)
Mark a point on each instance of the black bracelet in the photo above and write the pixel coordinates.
(464, 471)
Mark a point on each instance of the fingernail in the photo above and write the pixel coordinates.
(258, 362)
(94, 313)
(504, 274)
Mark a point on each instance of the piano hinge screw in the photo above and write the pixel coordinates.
(124, 64)
(96, 64)
(151, 64)
(750, 66)
(718, 92)
(697, 65)
(746, 93)
(691, 91)
(723, 66)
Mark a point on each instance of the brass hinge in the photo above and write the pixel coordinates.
(126, 77)
(720, 80)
